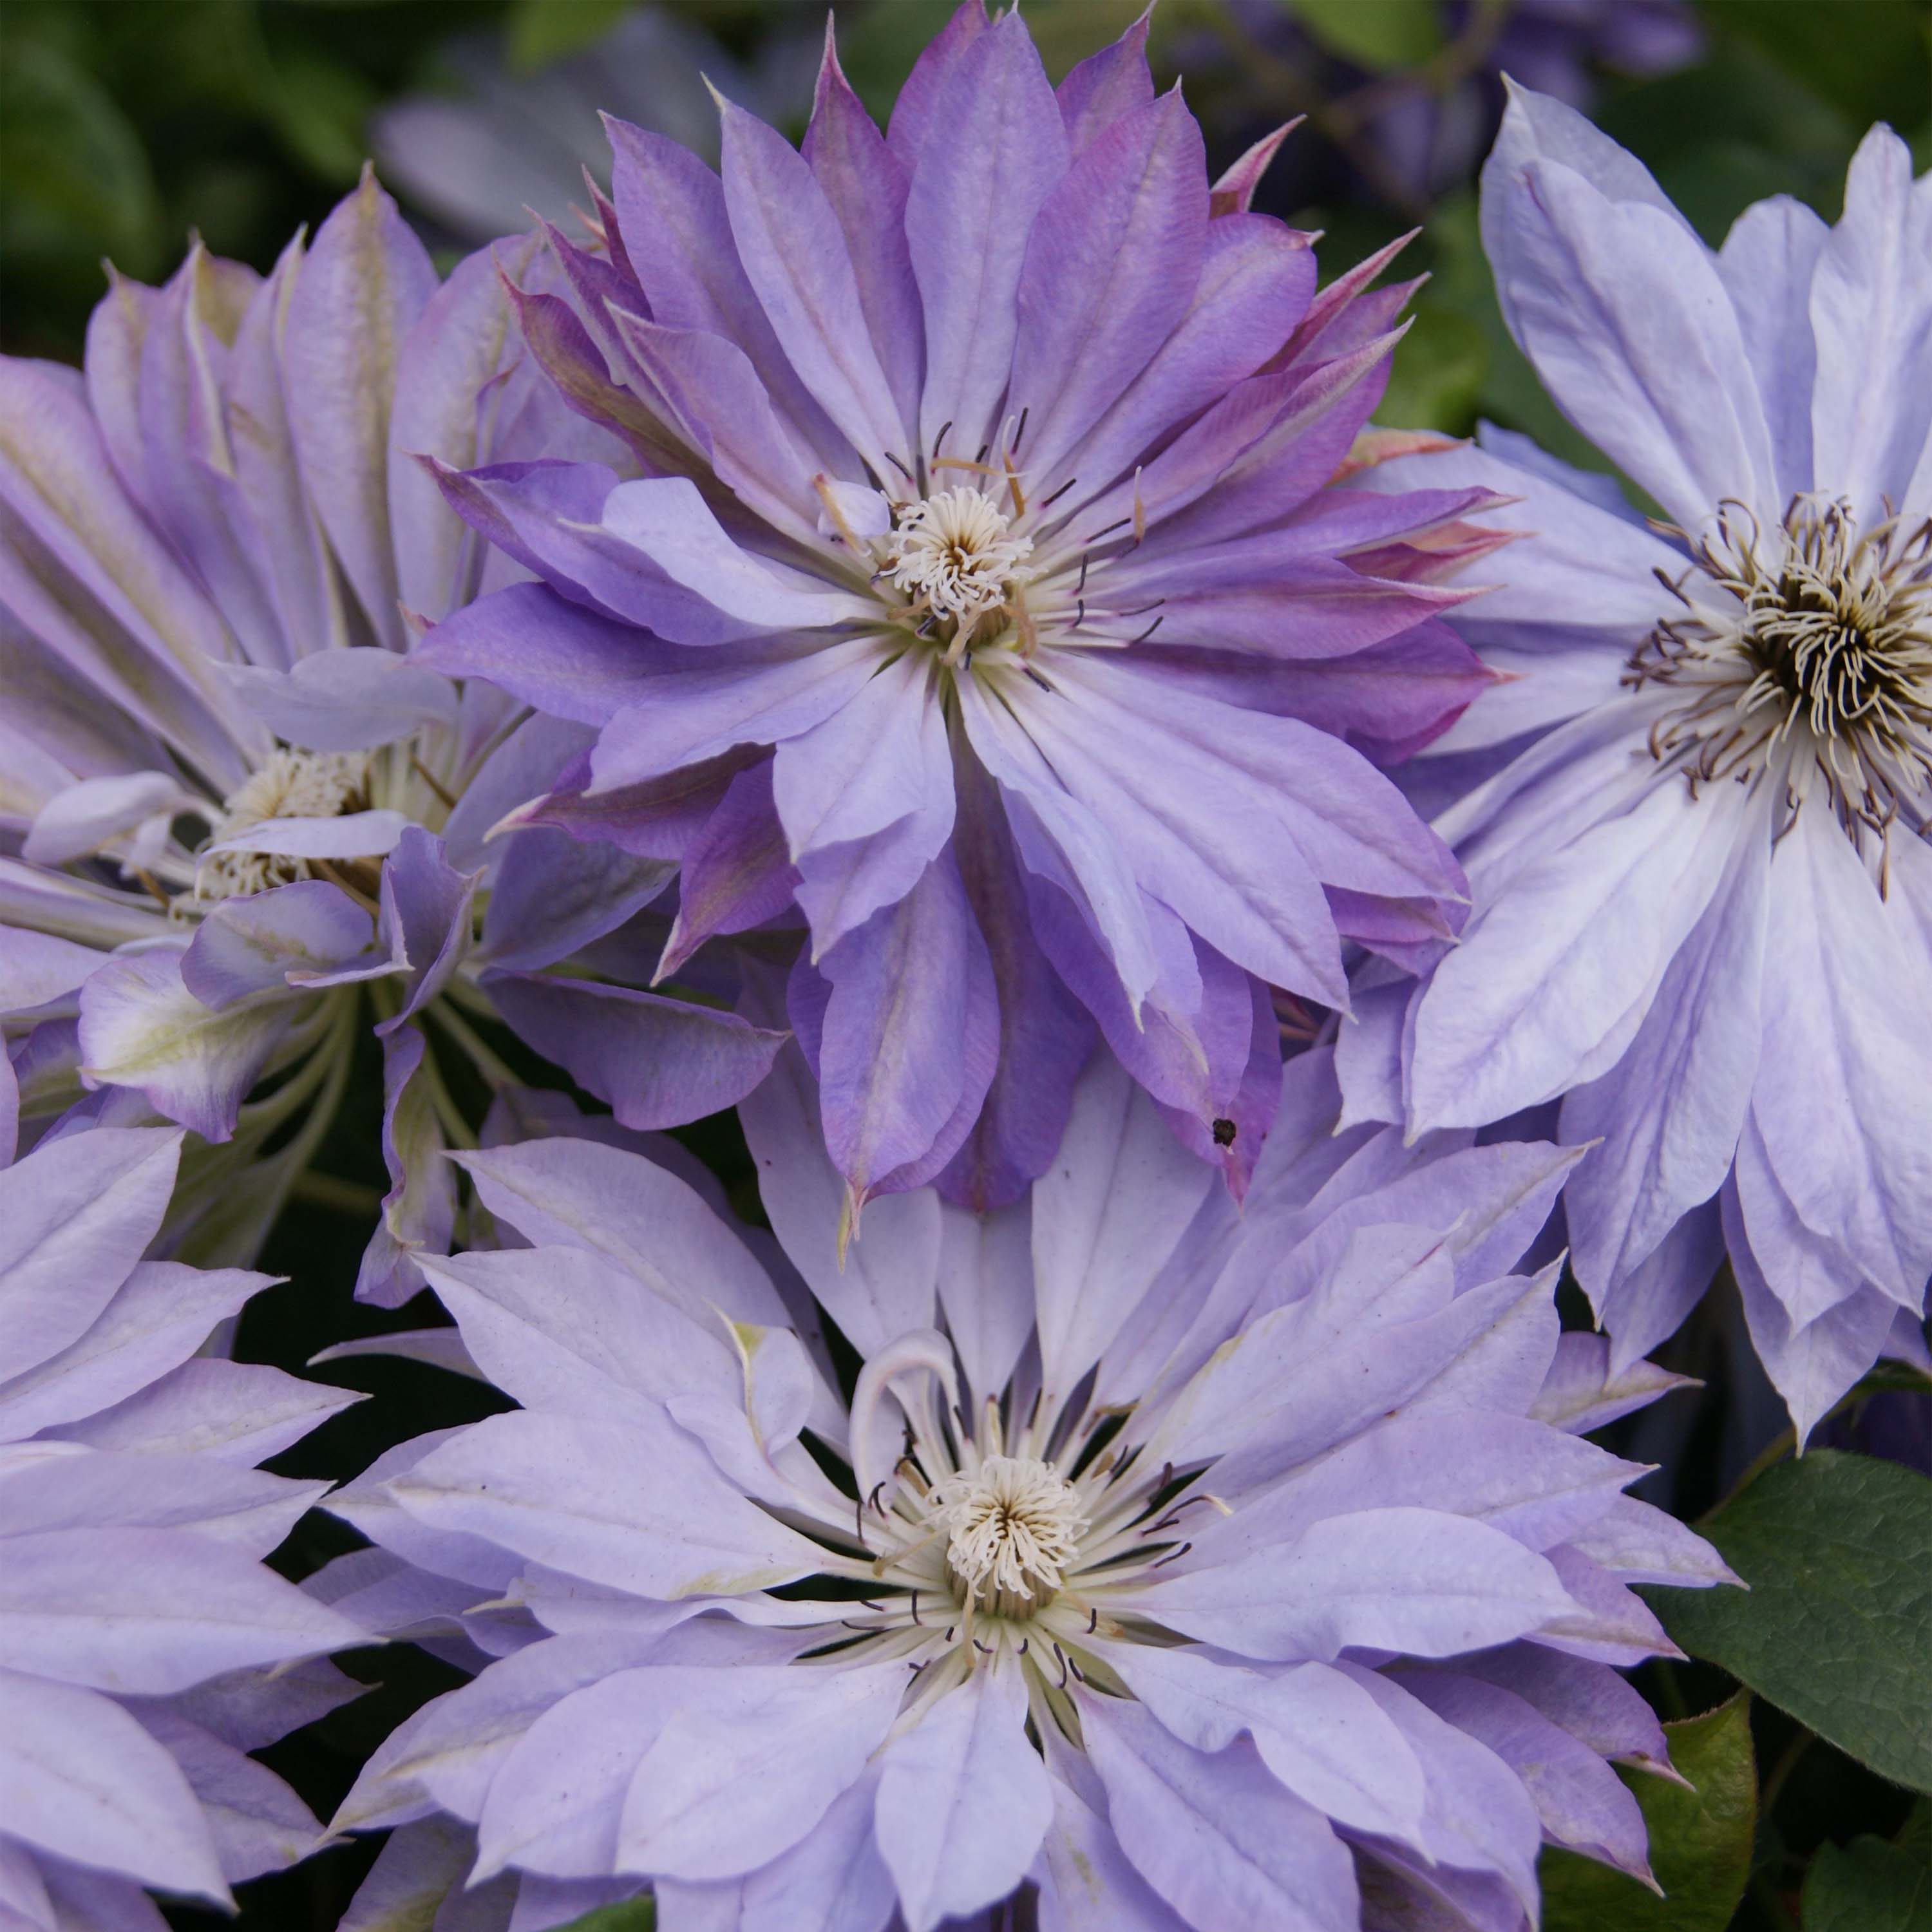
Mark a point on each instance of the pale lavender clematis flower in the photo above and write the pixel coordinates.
(983, 597)
(230, 805)
(145, 1647)
(1187, 1566)
(1698, 840)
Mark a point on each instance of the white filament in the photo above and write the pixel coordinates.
(954, 553)
(1012, 1526)
(290, 784)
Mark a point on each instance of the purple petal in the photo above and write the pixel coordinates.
(364, 282)
(969, 212)
(1317, 1732)
(555, 655)
(657, 1062)
(238, 1412)
(1669, 1112)
(1107, 1215)
(1099, 89)
(250, 945)
(865, 184)
(671, 212)
(356, 834)
(964, 1800)
(1111, 268)
(36, 968)
(667, 519)
(536, 1485)
(346, 700)
(1045, 1036)
(793, 249)
(86, 1782)
(79, 1213)
(140, 1027)
(910, 1032)
(1216, 1835)
(553, 894)
(162, 1611)
(1843, 1116)
(691, 715)
(737, 871)
(718, 1794)
(419, 1210)
(881, 1286)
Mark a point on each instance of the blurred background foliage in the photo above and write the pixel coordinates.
(127, 124)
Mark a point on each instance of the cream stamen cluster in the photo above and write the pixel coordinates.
(1032, 1543)
(955, 556)
(1806, 650)
(289, 785)
(1011, 1526)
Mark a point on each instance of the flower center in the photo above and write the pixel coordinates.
(290, 784)
(1012, 1527)
(955, 555)
(1816, 654)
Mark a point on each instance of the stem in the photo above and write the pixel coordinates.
(1787, 1762)
(456, 1129)
(316, 1189)
(1775, 1450)
(495, 1072)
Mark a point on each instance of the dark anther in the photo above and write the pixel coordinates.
(901, 467)
(1058, 494)
(1225, 1131)
(939, 441)
(1013, 448)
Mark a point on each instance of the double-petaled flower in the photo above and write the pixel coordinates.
(1190, 1566)
(145, 1647)
(1696, 836)
(237, 809)
(983, 598)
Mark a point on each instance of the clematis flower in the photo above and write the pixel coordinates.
(1186, 1566)
(145, 1647)
(233, 810)
(982, 598)
(1697, 833)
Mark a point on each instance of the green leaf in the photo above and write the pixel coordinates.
(1836, 1628)
(1700, 1839)
(1374, 34)
(543, 31)
(1871, 1886)
(634, 1915)
(77, 181)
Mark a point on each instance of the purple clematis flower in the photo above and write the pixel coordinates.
(982, 598)
(1695, 824)
(145, 1648)
(1188, 1567)
(231, 806)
